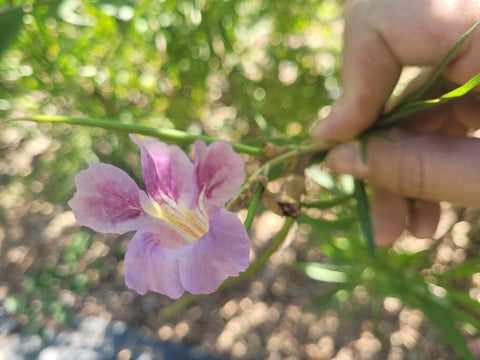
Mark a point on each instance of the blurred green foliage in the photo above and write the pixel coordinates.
(361, 282)
(230, 69)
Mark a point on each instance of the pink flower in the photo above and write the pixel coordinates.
(184, 240)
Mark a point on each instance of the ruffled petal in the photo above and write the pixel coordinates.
(223, 252)
(167, 171)
(199, 267)
(107, 200)
(150, 266)
(219, 170)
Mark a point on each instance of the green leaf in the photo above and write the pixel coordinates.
(363, 148)
(467, 302)
(317, 158)
(417, 107)
(323, 179)
(464, 270)
(426, 87)
(321, 272)
(332, 298)
(443, 314)
(11, 20)
(412, 103)
(364, 215)
(462, 90)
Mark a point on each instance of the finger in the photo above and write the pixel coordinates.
(456, 118)
(389, 213)
(379, 38)
(423, 218)
(466, 109)
(369, 74)
(428, 167)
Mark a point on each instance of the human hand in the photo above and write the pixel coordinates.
(432, 159)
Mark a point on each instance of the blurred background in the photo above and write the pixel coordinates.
(234, 70)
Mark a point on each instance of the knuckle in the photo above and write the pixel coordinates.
(411, 174)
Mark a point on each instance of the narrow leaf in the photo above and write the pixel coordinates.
(412, 103)
(417, 107)
(364, 215)
(467, 302)
(363, 148)
(441, 313)
(420, 93)
(464, 270)
(462, 90)
(321, 272)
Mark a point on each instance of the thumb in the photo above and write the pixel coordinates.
(429, 167)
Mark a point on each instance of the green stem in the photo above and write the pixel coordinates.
(364, 216)
(299, 150)
(263, 258)
(178, 305)
(252, 269)
(252, 208)
(170, 135)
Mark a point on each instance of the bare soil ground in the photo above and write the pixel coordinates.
(264, 317)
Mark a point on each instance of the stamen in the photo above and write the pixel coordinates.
(191, 224)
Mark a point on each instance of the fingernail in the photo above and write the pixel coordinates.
(347, 159)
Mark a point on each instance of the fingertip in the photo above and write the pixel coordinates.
(320, 131)
(326, 129)
(348, 117)
(347, 159)
(389, 213)
(424, 218)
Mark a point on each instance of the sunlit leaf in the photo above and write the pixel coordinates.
(426, 87)
(413, 103)
(462, 90)
(321, 272)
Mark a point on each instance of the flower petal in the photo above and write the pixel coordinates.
(107, 199)
(167, 170)
(151, 266)
(199, 267)
(223, 252)
(220, 170)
